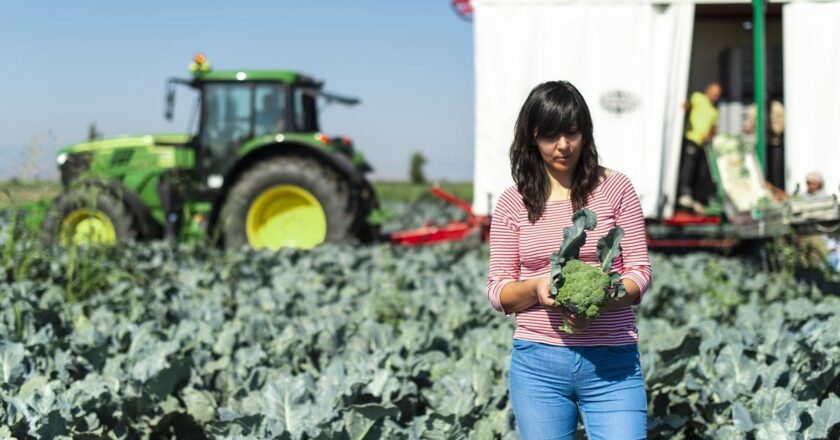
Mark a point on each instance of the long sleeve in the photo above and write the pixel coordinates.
(504, 249)
(634, 251)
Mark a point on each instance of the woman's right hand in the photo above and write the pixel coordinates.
(542, 290)
(518, 296)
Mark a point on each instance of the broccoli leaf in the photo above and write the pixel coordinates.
(615, 281)
(609, 248)
(574, 236)
(557, 279)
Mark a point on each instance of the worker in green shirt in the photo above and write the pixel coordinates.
(695, 180)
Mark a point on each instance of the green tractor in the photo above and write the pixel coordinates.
(257, 171)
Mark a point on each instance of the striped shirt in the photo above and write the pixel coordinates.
(519, 250)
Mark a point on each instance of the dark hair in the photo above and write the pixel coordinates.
(552, 108)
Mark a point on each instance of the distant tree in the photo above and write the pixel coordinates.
(93, 134)
(416, 172)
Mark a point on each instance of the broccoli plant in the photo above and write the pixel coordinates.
(579, 287)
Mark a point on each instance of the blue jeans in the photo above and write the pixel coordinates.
(549, 384)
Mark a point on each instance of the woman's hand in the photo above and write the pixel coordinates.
(577, 323)
(542, 290)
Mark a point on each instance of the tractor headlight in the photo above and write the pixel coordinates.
(61, 158)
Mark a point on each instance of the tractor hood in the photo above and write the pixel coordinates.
(122, 156)
(128, 141)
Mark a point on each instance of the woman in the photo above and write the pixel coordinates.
(596, 370)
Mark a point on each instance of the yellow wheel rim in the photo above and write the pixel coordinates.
(84, 226)
(286, 215)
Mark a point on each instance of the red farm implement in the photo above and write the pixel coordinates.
(455, 230)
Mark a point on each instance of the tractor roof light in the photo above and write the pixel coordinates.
(199, 64)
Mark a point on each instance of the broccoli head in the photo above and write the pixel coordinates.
(577, 286)
(584, 289)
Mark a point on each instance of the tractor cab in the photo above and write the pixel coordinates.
(238, 106)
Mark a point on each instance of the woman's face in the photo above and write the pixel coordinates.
(562, 152)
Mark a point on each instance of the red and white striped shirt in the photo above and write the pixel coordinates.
(519, 250)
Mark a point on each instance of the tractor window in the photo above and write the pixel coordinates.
(226, 123)
(270, 106)
(306, 115)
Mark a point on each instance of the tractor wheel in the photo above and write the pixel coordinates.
(288, 201)
(87, 215)
(366, 232)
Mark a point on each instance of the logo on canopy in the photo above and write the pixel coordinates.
(619, 101)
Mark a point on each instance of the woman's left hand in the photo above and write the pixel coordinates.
(577, 323)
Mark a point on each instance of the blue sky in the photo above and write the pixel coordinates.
(66, 64)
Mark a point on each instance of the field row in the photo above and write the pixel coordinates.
(375, 342)
(20, 192)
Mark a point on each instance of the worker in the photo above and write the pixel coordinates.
(814, 184)
(774, 147)
(814, 248)
(695, 180)
(270, 119)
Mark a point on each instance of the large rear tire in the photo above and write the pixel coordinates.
(368, 202)
(288, 201)
(87, 215)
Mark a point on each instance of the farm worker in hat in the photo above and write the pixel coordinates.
(815, 184)
(814, 248)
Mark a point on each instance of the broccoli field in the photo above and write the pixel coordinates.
(153, 340)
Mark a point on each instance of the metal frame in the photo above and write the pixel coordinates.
(453, 231)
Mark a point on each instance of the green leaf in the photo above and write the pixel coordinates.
(452, 395)
(438, 427)
(615, 281)
(200, 404)
(32, 385)
(226, 338)
(773, 430)
(167, 380)
(556, 273)
(361, 421)
(285, 402)
(779, 406)
(608, 248)
(825, 417)
(741, 418)
(491, 425)
(739, 371)
(11, 362)
(574, 236)
(770, 374)
(383, 385)
(728, 432)
(54, 426)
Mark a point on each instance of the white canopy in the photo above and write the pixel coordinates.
(630, 60)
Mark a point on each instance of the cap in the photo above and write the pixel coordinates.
(814, 176)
